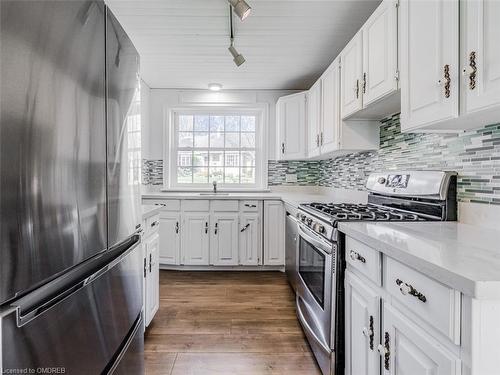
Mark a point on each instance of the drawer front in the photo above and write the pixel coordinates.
(250, 206)
(432, 301)
(224, 206)
(364, 259)
(152, 224)
(166, 204)
(195, 205)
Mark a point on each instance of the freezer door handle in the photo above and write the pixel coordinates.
(29, 307)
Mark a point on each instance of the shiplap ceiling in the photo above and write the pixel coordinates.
(287, 43)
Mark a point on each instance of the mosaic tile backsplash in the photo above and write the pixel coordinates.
(475, 155)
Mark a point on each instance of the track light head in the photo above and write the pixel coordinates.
(237, 58)
(241, 8)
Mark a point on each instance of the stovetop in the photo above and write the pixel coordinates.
(332, 213)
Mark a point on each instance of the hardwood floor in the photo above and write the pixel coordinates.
(226, 323)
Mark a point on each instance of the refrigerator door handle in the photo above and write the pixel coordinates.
(29, 307)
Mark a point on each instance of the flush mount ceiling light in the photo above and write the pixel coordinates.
(237, 57)
(241, 8)
(215, 86)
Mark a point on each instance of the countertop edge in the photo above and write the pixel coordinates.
(482, 290)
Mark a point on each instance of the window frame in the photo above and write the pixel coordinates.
(172, 133)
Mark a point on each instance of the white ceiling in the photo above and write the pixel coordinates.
(287, 43)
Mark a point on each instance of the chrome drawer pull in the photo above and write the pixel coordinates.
(250, 205)
(356, 256)
(245, 227)
(406, 288)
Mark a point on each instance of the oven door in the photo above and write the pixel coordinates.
(314, 293)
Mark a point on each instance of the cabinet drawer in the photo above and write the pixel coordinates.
(167, 204)
(249, 206)
(432, 301)
(365, 259)
(152, 224)
(195, 205)
(224, 206)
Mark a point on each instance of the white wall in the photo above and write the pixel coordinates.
(161, 100)
(145, 119)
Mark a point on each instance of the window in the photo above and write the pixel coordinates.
(134, 140)
(216, 146)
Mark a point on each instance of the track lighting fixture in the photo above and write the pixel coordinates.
(241, 8)
(237, 57)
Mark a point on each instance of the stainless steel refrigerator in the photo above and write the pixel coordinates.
(70, 256)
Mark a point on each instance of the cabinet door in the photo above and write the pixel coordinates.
(224, 239)
(407, 349)
(330, 108)
(152, 277)
(195, 238)
(250, 235)
(362, 322)
(274, 233)
(351, 71)
(380, 53)
(480, 33)
(429, 63)
(169, 237)
(313, 119)
(291, 114)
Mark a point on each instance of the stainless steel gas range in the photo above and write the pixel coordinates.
(317, 272)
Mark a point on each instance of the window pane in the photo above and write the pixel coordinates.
(216, 123)
(232, 123)
(200, 139)
(232, 159)
(247, 123)
(186, 123)
(184, 159)
(247, 158)
(232, 175)
(185, 139)
(184, 175)
(216, 158)
(216, 174)
(200, 123)
(232, 140)
(217, 140)
(247, 140)
(200, 175)
(247, 175)
(200, 158)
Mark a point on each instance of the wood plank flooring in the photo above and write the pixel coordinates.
(226, 323)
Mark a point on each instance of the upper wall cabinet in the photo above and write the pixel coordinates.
(446, 86)
(291, 124)
(369, 66)
(330, 109)
(314, 119)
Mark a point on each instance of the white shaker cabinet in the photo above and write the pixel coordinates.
(407, 349)
(429, 65)
(330, 108)
(480, 56)
(314, 120)
(292, 125)
(195, 238)
(152, 277)
(380, 49)
(351, 76)
(170, 243)
(224, 239)
(362, 306)
(250, 239)
(274, 237)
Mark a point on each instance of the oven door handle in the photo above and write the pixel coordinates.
(315, 240)
(307, 327)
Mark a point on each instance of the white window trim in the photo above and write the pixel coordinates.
(261, 111)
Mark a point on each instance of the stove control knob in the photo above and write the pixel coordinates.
(303, 217)
(321, 229)
(381, 180)
(309, 222)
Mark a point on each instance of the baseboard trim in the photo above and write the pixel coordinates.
(168, 267)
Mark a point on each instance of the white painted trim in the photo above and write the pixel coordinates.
(167, 267)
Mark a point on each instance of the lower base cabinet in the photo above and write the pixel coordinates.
(362, 306)
(274, 235)
(170, 238)
(250, 239)
(195, 238)
(407, 349)
(224, 239)
(151, 246)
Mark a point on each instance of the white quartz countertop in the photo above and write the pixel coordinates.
(464, 257)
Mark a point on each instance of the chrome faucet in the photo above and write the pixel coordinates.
(215, 186)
